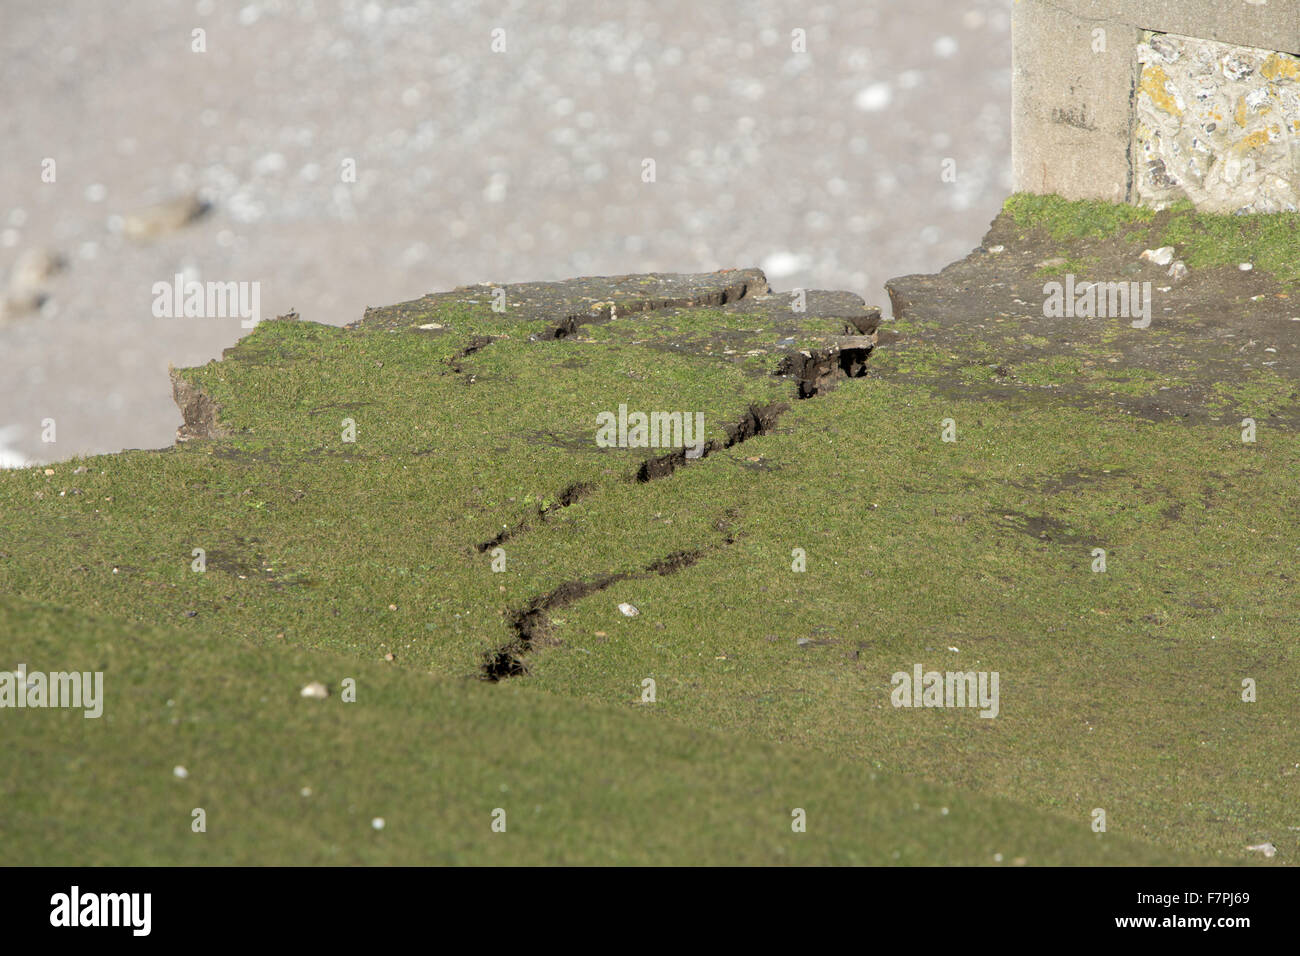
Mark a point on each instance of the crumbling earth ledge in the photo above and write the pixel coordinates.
(199, 412)
(846, 543)
(551, 311)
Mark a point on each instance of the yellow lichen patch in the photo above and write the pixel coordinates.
(1256, 140)
(1153, 83)
(1240, 115)
(1278, 67)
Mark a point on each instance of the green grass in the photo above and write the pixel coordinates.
(1070, 266)
(1262, 393)
(1120, 690)
(1269, 242)
(287, 780)
(1068, 219)
(1050, 371)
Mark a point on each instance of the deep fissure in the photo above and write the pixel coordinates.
(815, 371)
(755, 421)
(531, 623)
(575, 492)
(475, 344)
(570, 323)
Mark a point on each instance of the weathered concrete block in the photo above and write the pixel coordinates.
(1218, 124)
(1119, 99)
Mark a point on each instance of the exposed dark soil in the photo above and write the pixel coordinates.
(756, 421)
(1211, 334)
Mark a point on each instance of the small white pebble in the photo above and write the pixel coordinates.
(1245, 267)
(315, 690)
(628, 610)
(305, 791)
(180, 772)
(377, 823)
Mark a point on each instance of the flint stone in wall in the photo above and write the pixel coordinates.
(1216, 124)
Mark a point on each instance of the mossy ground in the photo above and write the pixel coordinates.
(283, 780)
(1270, 242)
(1120, 690)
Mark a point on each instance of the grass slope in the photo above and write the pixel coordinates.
(1120, 690)
(287, 780)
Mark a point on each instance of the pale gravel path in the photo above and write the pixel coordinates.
(823, 168)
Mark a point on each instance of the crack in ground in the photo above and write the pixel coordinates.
(531, 623)
(575, 492)
(475, 344)
(570, 323)
(755, 421)
(820, 370)
(817, 371)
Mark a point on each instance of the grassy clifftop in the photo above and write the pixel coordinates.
(826, 538)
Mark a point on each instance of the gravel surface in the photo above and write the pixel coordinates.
(821, 167)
